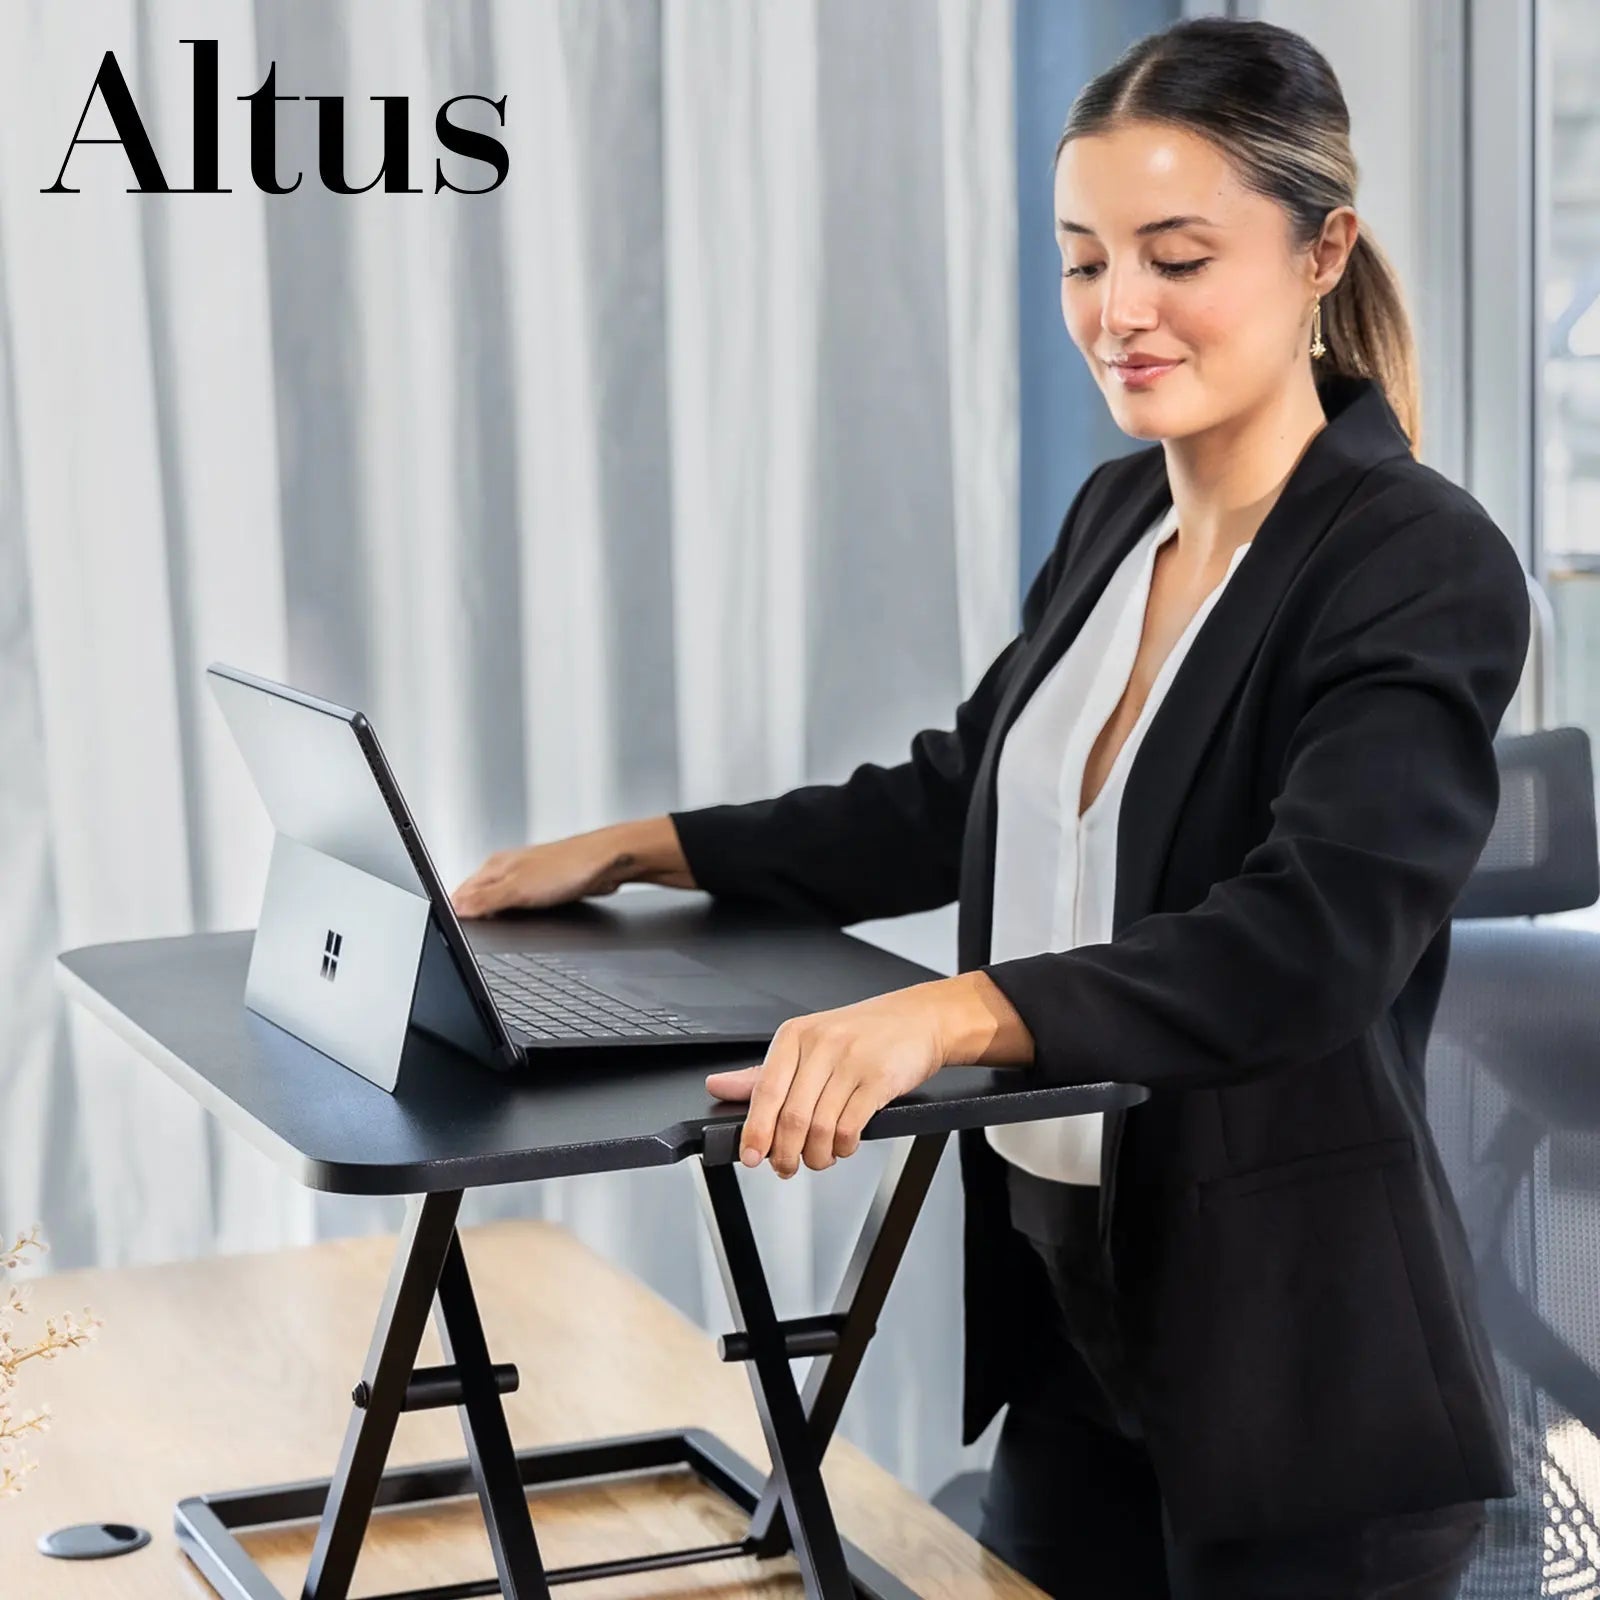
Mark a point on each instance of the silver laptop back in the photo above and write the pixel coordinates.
(344, 919)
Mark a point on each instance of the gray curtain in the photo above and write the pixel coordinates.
(607, 492)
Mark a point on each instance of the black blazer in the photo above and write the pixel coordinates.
(1295, 1288)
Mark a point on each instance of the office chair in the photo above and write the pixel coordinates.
(1513, 1099)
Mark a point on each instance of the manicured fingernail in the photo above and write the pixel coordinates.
(750, 1156)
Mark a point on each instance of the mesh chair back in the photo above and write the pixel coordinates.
(1540, 854)
(1513, 1100)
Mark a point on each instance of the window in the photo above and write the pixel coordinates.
(1568, 113)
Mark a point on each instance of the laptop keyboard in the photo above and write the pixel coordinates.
(543, 997)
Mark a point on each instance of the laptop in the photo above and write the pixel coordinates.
(358, 941)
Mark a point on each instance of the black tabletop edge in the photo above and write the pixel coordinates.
(299, 1166)
(671, 1144)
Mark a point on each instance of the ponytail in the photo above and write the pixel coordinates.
(1368, 334)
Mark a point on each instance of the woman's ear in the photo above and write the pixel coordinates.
(1331, 252)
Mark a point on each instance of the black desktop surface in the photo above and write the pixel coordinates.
(454, 1123)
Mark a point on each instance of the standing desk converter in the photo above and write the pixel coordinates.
(453, 1124)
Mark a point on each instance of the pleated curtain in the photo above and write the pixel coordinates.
(680, 468)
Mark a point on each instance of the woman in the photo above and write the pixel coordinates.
(1206, 817)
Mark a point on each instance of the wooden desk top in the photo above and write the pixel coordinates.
(236, 1372)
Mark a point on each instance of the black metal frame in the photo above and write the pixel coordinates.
(789, 1510)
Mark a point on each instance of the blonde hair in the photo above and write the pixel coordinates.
(1267, 98)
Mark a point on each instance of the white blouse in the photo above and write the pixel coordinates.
(1055, 873)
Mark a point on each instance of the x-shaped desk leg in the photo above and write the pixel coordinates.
(794, 1505)
(788, 1508)
(429, 1270)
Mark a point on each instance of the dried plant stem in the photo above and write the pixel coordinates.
(64, 1332)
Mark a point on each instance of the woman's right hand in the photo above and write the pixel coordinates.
(595, 863)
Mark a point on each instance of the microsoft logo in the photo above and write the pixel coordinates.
(330, 955)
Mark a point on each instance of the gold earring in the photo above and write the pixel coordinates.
(1318, 348)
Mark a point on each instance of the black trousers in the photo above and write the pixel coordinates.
(1073, 1502)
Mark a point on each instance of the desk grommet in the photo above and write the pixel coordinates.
(93, 1541)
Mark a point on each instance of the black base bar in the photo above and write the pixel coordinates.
(209, 1526)
(788, 1507)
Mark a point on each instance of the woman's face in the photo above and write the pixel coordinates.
(1165, 254)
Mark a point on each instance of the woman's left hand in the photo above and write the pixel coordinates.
(827, 1072)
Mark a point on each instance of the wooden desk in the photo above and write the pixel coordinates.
(236, 1371)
